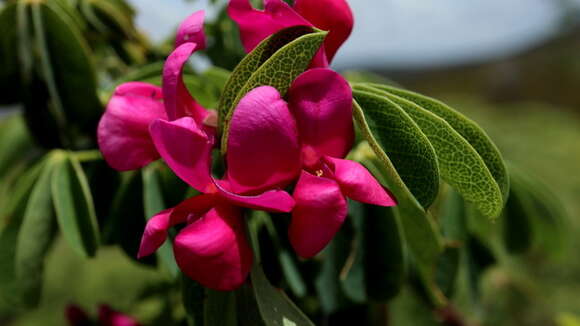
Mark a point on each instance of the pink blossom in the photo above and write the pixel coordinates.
(123, 132)
(255, 25)
(263, 158)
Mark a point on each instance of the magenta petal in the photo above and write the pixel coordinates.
(194, 207)
(110, 317)
(214, 251)
(319, 212)
(155, 233)
(263, 150)
(123, 132)
(321, 101)
(191, 30)
(337, 19)
(357, 183)
(271, 201)
(256, 25)
(178, 101)
(186, 150)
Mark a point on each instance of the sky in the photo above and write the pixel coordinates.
(400, 34)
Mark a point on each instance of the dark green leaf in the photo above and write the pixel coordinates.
(35, 237)
(517, 226)
(66, 66)
(247, 307)
(419, 228)
(453, 218)
(9, 74)
(466, 128)
(479, 258)
(220, 308)
(193, 295)
(74, 205)
(275, 307)
(447, 271)
(407, 147)
(15, 142)
(279, 71)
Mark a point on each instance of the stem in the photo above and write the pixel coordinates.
(87, 156)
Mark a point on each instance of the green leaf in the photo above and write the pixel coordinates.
(407, 147)
(275, 307)
(15, 142)
(479, 258)
(35, 237)
(448, 270)
(419, 228)
(453, 217)
(252, 62)
(547, 214)
(517, 227)
(247, 307)
(12, 219)
(466, 128)
(66, 66)
(154, 203)
(459, 163)
(220, 308)
(376, 268)
(193, 296)
(73, 203)
(9, 74)
(279, 71)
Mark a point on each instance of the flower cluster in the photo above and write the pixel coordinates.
(274, 142)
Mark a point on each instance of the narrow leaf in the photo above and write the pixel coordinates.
(74, 205)
(220, 308)
(34, 238)
(275, 307)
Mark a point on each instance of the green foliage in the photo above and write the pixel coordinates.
(73, 204)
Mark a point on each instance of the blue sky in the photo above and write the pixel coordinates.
(410, 33)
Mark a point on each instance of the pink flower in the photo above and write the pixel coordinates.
(107, 317)
(263, 154)
(321, 103)
(123, 132)
(334, 16)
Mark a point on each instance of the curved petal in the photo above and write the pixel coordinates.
(155, 233)
(178, 101)
(214, 251)
(263, 150)
(186, 150)
(337, 19)
(272, 201)
(191, 30)
(110, 317)
(256, 25)
(321, 101)
(123, 132)
(319, 212)
(358, 183)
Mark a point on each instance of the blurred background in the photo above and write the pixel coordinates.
(513, 66)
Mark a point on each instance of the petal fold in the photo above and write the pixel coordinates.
(272, 201)
(178, 102)
(155, 233)
(321, 102)
(186, 150)
(191, 30)
(263, 149)
(123, 132)
(214, 251)
(358, 183)
(319, 212)
(337, 20)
